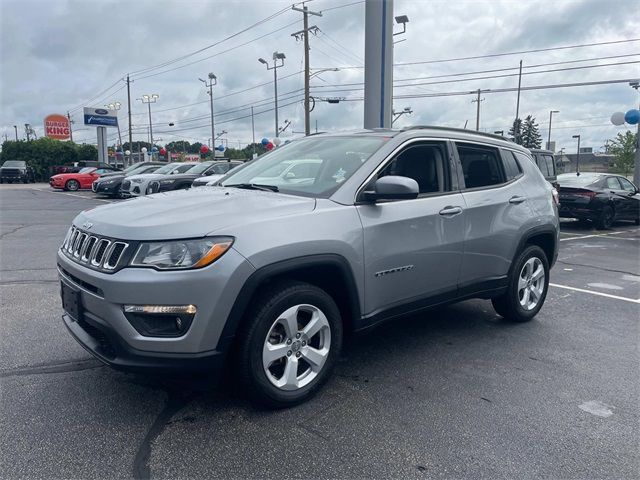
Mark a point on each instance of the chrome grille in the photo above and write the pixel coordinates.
(100, 253)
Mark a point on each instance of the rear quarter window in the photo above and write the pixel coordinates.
(481, 165)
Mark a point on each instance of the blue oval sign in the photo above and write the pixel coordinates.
(101, 111)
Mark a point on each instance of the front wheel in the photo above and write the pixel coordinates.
(527, 289)
(72, 185)
(290, 343)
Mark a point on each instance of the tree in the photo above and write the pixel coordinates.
(623, 147)
(515, 133)
(531, 137)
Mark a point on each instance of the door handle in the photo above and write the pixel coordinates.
(450, 211)
(516, 199)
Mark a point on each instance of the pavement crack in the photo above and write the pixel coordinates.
(597, 268)
(48, 368)
(20, 227)
(175, 402)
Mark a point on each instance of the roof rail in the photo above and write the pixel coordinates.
(453, 129)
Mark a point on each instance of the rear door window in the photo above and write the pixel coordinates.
(481, 165)
(613, 183)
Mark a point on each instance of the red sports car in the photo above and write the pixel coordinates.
(76, 181)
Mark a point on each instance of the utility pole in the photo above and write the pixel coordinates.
(636, 168)
(129, 105)
(276, 56)
(478, 100)
(551, 112)
(578, 155)
(305, 34)
(253, 131)
(519, 86)
(213, 80)
(70, 128)
(27, 131)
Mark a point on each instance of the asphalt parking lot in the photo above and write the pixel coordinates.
(453, 393)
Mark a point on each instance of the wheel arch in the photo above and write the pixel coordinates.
(544, 237)
(330, 272)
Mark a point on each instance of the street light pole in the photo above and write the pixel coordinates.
(276, 56)
(116, 106)
(578, 155)
(636, 168)
(551, 112)
(149, 99)
(213, 80)
(16, 129)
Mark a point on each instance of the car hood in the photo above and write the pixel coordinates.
(146, 176)
(211, 178)
(189, 213)
(111, 177)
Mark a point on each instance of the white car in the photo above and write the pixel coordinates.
(136, 185)
(290, 172)
(219, 170)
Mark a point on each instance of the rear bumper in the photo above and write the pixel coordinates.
(577, 212)
(104, 343)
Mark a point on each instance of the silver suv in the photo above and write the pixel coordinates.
(268, 279)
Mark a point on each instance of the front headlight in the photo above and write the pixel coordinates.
(181, 254)
(108, 182)
(136, 180)
(167, 182)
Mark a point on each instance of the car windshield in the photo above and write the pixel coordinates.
(313, 166)
(167, 168)
(183, 168)
(140, 169)
(14, 164)
(573, 180)
(199, 168)
(222, 168)
(87, 170)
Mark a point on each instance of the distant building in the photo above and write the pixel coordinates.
(589, 161)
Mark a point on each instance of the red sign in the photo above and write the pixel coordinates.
(57, 126)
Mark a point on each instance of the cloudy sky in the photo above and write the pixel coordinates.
(59, 55)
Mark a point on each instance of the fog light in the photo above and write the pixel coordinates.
(160, 320)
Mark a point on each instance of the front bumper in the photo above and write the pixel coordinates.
(106, 189)
(105, 331)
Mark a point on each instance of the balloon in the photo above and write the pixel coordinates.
(144, 150)
(632, 117)
(220, 148)
(269, 146)
(277, 141)
(163, 151)
(127, 152)
(264, 141)
(617, 118)
(204, 149)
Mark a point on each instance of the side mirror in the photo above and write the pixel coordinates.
(393, 187)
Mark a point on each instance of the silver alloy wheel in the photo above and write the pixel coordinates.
(531, 283)
(296, 347)
(73, 185)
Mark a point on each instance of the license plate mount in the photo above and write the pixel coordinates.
(71, 301)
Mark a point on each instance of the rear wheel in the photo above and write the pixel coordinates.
(290, 344)
(527, 289)
(72, 185)
(605, 221)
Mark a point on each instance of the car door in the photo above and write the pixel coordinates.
(617, 195)
(413, 248)
(496, 208)
(631, 199)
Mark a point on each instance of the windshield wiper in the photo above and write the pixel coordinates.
(254, 186)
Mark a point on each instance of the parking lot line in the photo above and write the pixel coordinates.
(592, 236)
(72, 195)
(608, 295)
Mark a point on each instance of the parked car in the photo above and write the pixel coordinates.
(109, 184)
(274, 276)
(184, 180)
(602, 198)
(219, 170)
(16, 171)
(546, 161)
(137, 185)
(77, 181)
(77, 166)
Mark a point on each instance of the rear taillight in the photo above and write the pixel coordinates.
(586, 194)
(556, 197)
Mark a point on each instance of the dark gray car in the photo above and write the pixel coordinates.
(267, 278)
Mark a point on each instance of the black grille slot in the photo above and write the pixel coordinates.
(114, 255)
(100, 252)
(91, 242)
(82, 283)
(126, 184)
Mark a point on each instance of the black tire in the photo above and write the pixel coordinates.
(508, 305)
(270, 305)
(72, 185)
(606, 218)
(637, 221)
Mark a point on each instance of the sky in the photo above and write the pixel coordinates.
(62, 55)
